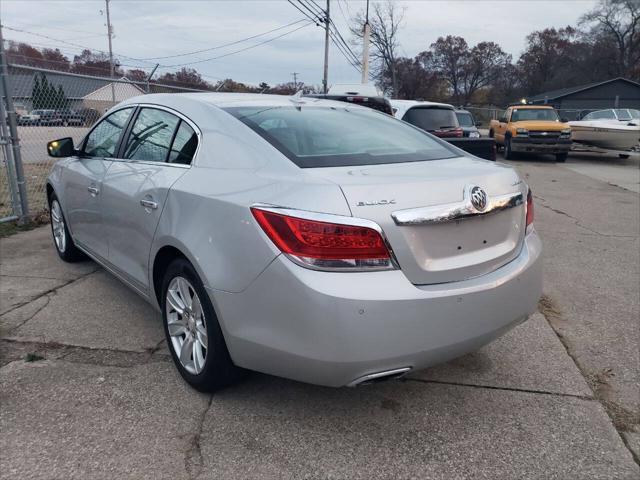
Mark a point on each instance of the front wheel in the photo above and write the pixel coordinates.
(192, 330)
(508, 154)
(62, 240)
(561, 157)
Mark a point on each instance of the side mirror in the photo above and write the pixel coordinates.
(564, 119)
(502, 119)
(61, 148)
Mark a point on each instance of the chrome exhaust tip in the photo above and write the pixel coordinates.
(380, 376)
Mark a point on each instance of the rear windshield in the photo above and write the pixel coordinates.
(464, 119)
(314, 136)
(377, 103)
(430, 118)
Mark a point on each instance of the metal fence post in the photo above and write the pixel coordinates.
(5, 141)
(13, 132)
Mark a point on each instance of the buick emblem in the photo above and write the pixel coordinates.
(478, 198)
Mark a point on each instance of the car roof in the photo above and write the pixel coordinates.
(533, 107)
(226, 100)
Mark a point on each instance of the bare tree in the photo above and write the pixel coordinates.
(449, 57)
(619, 20)
(385, 20)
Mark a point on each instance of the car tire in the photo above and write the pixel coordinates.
(192, 331)
(623, 156)
(62, 240)
(508, 154)
(561, 157)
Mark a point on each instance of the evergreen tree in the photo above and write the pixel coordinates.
(36, 94)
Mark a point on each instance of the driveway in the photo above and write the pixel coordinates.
(88, 390)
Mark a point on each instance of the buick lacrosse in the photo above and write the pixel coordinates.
(305, 238)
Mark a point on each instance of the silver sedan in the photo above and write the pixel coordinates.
(304, 238)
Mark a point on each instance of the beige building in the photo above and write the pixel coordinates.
(102, 99)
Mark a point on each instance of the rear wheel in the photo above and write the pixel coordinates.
(62, 240)
(623, 155)
(192, 330)
(561, 157)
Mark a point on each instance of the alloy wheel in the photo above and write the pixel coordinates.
(186, 325)
(57, 224)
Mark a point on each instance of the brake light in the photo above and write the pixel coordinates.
(325, 245)
(458, 132)
(529, 208)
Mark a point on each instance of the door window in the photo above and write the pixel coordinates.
(103, 139)
(184, 145)
(151, 136)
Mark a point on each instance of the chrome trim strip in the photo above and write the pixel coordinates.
(396, 373)
(331, 218)
(450, 212)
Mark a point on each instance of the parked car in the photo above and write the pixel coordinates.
(440, 119)
(532, 128)
(44, 117)
(359, 94)
(299, 237)
(31, 118)
(467, 123)
(70, 117)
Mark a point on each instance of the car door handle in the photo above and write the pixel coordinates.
(93, 190)
(148, 204)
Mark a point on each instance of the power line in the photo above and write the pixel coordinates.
(346, 45)
(312, 18)
(69, 43)
(237, 51)
(319, 14)
(226, 44)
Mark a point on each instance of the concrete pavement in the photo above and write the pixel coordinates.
(554, 398)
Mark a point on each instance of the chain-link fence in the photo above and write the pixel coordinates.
(49, 105)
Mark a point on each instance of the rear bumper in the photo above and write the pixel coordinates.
(551, 145)
(333, 328)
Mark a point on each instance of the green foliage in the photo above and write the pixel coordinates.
(45, 96)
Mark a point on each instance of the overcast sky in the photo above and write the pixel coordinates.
(145, 29)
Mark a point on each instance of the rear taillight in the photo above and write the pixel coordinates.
(529, 208)
(458, 132)
(325, 245)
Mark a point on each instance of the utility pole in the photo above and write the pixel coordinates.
(365, 48)
(295, 81)
(111, 69)
(327, 19)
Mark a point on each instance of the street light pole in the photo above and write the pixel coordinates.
(326, 49)
(111, 69)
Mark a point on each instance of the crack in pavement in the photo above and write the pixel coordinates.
(78, 354)
(47, 292)
(48, 297)
(507, 389)
(193, 460)
(577, 221)
(551, 314)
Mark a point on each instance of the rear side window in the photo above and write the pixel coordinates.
(103, 139)
(317, 136)
(430, 118)
(184, 145)
(465, 119)
(151, 136)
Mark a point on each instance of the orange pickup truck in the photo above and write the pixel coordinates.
(532, 128)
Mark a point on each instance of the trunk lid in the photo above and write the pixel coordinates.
(443, 251)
